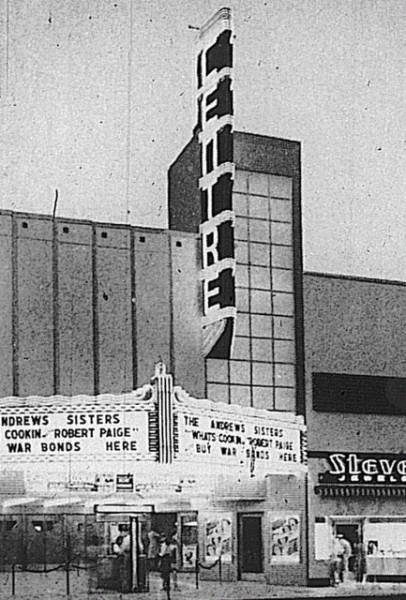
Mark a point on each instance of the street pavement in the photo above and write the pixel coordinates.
(47, 586)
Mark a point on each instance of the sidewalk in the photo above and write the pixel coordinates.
(53, 585)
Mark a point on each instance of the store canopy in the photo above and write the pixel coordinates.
(361, 490)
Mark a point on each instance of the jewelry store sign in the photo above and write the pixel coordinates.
(355, 468)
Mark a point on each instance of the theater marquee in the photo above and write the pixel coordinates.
(84, 427)
(157, 432)
(226, 436)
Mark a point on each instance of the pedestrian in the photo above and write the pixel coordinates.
(153, 549)
(168, 562)
(343, 551)
(360, 562)
(334, 566)
(165, 563)
(121, 565)
(174, 549)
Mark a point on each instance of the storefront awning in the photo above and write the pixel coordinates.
(361, 490)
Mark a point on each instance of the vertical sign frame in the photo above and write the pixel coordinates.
(215, 125)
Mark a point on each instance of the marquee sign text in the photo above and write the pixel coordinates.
(244, 442)
(39, 434)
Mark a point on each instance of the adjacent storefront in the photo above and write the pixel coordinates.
(360, 496)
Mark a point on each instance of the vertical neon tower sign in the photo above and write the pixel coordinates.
(215, 125)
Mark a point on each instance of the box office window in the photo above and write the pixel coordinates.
(333, 392)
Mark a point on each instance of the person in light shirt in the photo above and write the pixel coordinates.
(343, 550)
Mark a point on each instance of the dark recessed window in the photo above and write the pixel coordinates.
(142, 239)
(65, 229)
(363, 394)
(38, 526)
(104, 234)
(24, 225)
(179, 244)
(209, 156)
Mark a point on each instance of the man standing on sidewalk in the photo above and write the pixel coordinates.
(343, 551)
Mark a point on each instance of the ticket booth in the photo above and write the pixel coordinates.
(122, 562)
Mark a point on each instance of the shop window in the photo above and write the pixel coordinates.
(385, 538)
(323, 536)
(363, 394)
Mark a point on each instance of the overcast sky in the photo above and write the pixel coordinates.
(329, 73)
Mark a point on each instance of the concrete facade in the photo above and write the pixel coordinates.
(353, 326)
(87, 307)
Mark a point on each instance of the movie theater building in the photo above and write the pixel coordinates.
(214, 446)
(355, 389)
